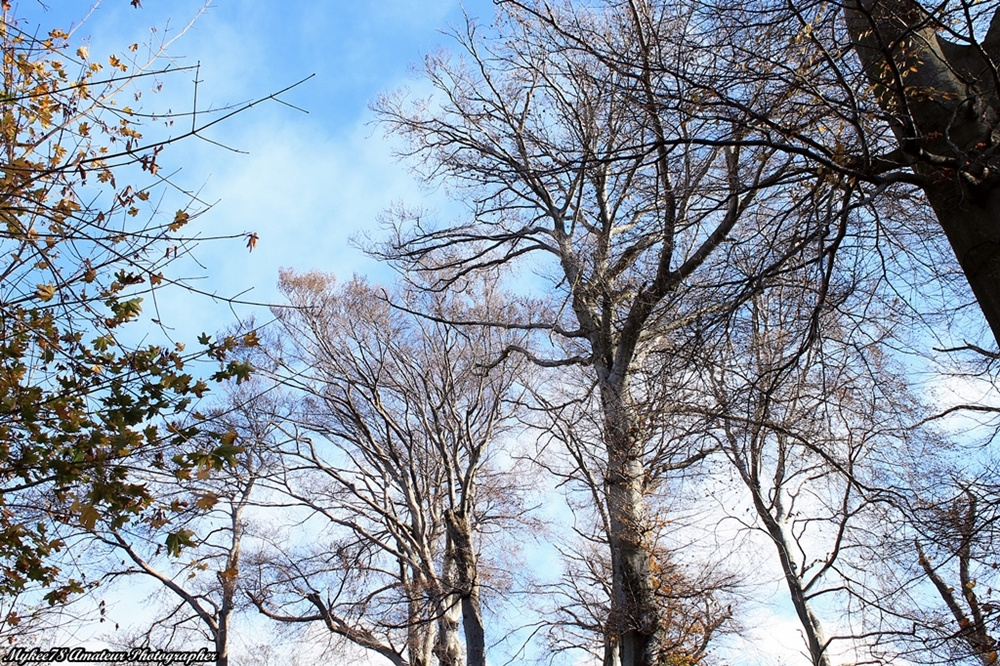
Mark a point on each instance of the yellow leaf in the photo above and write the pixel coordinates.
(207, 501)
(45, 292)
(180, 219)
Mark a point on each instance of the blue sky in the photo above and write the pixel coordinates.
(305, 182)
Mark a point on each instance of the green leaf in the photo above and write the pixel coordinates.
(88, 515)
(179, 540)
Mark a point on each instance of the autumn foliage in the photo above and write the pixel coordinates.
(82, 244)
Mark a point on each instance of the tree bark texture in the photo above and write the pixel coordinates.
(634, 616)
(941, 102)
(421, 636)
(449, 648)
(460, 532)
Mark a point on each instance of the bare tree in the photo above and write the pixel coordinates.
(691, 604)
(581, 155)
(204, 514)
(807, 416)
(405, 415)
(895, 98)
(939, 576)
(959, 545)
(692, 596)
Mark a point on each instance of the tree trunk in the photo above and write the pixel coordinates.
(634, 617)
(421, 635)
(467, 585)
(778, 531)
(222, 634)
(612, 657)
(970, 218)
(227, 581)
(448, 608)
(222, 642)
(942, 102)
(449, 648)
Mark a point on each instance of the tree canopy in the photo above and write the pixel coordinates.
(84, 242)
(671, 346)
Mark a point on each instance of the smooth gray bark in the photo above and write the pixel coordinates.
(784, 543)
(634, 613)
(941, 101)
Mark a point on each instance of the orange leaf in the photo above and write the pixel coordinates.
(207, 501)
(180, 219)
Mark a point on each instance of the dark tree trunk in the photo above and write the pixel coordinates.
(942, 104)
(970, 218)
(467, 582)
